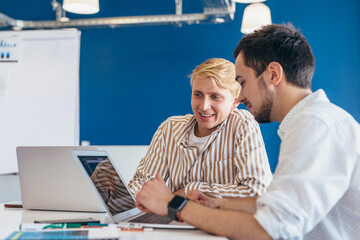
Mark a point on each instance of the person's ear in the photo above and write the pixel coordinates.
(276, 73)
(235, 103)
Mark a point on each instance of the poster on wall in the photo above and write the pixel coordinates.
(10, 47)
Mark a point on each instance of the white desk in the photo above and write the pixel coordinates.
(10, 219)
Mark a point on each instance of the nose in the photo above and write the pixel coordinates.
(205, 104)
(241, 96)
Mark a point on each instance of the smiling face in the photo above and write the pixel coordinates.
(211, 105)
(254, 93)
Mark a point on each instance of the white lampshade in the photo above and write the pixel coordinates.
(248, 1)
(81, 6)
(255, 16)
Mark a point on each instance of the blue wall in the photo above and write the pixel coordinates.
(132, 79)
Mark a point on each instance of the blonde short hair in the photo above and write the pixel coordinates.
(220, 71)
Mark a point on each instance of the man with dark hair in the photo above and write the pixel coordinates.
(316, 187)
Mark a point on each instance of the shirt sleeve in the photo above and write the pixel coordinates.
(154, 161)
(313, 173)
(251, 165)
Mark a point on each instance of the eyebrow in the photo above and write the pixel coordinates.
(196, 91)
(237, 77)
(210, 93)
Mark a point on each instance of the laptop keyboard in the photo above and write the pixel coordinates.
(152, 218)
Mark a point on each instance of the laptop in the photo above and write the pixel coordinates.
(114, 193)
(50, 179)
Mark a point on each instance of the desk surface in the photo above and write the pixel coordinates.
(10, 219)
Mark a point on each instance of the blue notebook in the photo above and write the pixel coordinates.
(33, 235)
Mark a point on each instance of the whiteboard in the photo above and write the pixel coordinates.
(39, 91)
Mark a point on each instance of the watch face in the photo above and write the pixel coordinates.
(175, 205)
(176, 202)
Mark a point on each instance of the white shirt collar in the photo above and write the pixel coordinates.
(315, 97)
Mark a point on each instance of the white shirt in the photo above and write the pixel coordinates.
(197, 141)
(315, 193)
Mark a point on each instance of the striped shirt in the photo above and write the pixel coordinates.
(232, 164)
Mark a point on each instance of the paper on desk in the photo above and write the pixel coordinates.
(110, 232)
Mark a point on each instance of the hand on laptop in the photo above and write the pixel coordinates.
(154, 196)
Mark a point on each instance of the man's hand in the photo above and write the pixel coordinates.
(180, 192)
(199, 197)
(154, 196)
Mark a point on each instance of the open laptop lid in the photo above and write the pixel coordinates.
(114, 192)
(50, 179)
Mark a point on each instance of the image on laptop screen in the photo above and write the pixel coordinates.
(108, 183)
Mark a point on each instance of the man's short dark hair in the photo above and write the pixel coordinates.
(282, 44)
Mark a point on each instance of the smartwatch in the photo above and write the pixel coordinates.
(175, 205)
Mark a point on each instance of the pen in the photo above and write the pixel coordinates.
(95, 225)
(135, 229)
(98, 224)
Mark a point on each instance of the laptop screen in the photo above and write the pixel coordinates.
(109, 184)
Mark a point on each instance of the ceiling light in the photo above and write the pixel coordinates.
(255, 15)
(81, 6)
(219, 20)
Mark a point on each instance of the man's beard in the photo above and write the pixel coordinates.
(263, 115)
